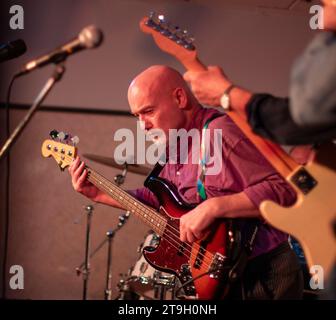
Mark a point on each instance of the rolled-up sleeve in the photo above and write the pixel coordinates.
(260, 180)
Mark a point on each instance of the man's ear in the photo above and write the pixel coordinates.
(180, 97)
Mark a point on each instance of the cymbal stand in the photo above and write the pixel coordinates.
(86, 269)
(110, 235)
(119, 180)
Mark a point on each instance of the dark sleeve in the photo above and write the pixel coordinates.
(270, 118)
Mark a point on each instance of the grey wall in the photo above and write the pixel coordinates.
(247, 41)
(255, 46)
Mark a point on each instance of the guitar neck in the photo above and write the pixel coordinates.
(148, 215)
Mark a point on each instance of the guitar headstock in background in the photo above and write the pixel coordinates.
(173, 40)
(62, 147)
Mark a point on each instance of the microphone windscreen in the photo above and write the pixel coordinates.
(91, 37)
(12, 50)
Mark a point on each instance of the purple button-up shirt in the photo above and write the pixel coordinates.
(243, 169)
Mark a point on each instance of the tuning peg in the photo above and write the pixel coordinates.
(60, 166)
(165, 28)
(179, 35)
(53, 134)
(189, 42)
(152, 15)
(161, 18)
(75, 140)
(61, 136)
(190, 39)
(153, 21)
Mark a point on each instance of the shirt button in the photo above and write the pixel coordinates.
(178, 173)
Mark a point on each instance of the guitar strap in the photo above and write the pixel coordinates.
(204, 159)
(157, 168)
(250, 229)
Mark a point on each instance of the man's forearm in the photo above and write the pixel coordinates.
(234, 206)
(106, 199)
(239, 100)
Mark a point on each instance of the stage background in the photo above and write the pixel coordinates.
(256, 42)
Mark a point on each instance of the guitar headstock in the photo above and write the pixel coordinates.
(62, 147)
(170, 38)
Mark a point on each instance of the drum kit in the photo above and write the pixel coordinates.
(142, 281)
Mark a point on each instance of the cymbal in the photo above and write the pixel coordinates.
(135, 168)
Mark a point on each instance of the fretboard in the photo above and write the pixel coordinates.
(148, 215)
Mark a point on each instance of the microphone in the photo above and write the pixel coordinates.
(90, 37)
(12, 49)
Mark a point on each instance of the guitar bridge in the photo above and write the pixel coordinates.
(216, 267)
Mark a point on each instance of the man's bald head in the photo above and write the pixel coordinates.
(161, 99)
(159, 81)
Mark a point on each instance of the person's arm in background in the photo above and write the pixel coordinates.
(208, 87)
(268, 116)
(308, 116)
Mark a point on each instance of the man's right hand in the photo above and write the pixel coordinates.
(208, 86)
(80, 184)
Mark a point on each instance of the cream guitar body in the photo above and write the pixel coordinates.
(311, 220)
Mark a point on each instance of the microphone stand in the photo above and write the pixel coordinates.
(55, 77)
(86, 270)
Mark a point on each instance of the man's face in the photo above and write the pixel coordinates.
(156, 110)
(329, 14)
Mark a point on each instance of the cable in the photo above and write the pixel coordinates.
(7, 179)
(176, 291)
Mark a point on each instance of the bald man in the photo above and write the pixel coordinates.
(161, 99)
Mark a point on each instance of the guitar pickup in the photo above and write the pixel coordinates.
(199, 258)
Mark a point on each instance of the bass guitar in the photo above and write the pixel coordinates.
(201, 266)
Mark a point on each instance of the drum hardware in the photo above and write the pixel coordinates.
(143, 282)
(84, 268)
(110, 235)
